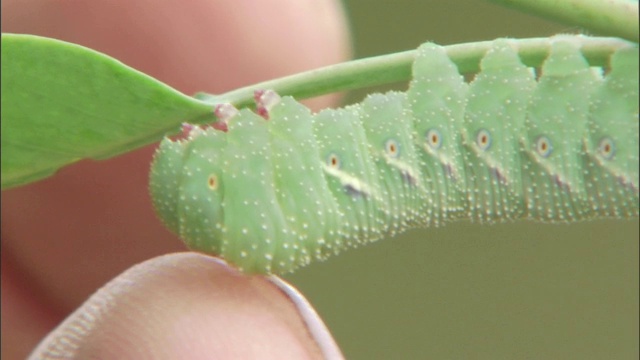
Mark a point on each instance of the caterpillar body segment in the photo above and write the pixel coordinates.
(251, 205)
(611, 156)
(202, 164)
(437, 98)
(556, 128)
(350, 173)
(556, 145)
(403, 188)
(312, 220)
(164, 179)
(494, 119)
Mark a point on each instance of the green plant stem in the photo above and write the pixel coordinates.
(397, 67)
(604, 17)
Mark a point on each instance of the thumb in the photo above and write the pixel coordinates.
(193, 306)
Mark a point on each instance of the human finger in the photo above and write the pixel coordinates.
(187, 306)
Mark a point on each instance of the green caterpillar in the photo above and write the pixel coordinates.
(270, 196)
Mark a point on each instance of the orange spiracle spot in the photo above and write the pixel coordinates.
(333, 161)
(212, 182)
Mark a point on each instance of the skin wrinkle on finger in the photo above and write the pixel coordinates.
(186, 305)
(94, 219)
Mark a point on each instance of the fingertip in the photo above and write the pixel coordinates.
(184, 305)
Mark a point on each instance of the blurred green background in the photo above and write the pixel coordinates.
(467, 291)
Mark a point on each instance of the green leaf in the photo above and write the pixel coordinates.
(610, 17)
(63, 102)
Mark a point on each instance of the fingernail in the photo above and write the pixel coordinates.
(317, 329)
